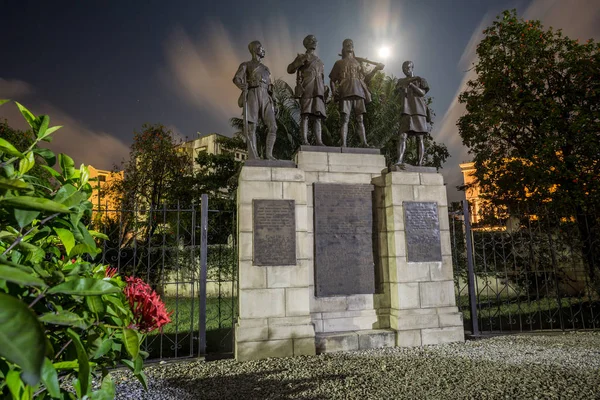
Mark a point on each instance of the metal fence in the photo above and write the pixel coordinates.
(526, 270)
(187, 255)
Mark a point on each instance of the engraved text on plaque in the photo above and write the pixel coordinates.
(422, 229)
(274, 232)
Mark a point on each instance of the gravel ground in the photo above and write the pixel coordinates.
(560, 366)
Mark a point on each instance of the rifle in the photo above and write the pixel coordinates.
(252, 154)
(364, 60)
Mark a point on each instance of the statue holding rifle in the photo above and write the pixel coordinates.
(254, 79)
(349, 86)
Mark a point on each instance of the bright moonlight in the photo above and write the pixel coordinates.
(384, 52)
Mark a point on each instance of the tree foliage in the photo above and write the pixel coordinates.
(533, 117)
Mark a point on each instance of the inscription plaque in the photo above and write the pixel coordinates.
(422, 228)
(344, 261)
(274, 234)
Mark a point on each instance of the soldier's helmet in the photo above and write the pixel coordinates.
(309, 41)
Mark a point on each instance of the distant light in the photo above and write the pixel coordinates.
(385, 52)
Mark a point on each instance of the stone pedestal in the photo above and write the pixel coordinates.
(274, 316)
(420, 295)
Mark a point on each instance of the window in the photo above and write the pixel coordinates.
(102, 178)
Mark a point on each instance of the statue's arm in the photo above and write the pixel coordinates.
(371, 74)
(297, 63)
(417, 90)
(239, 79)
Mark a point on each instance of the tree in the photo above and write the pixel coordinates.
(532, 121)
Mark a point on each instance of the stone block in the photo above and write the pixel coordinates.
(295, 191)
(402, 178)
(244, 218)
(454, 319)
(404, 295)
(397, 194)
(299, 320)
(245, 248)
(255, 174)
(251, 276)
(383, 267)
(378, 180)
(356, 160)
(305, 246)
(333, 342)
(383, 244)
(349, 324)
(431, 193)
(291, 331)
(310, 219)
(446, 245)
(408, 338)
(403, 271)
(252, 334)
(262, 303)
(311, 161)
(371, 169)
(340, 177)
(376, 339)
(318, 324)
(394, 217)
(437, 294)
(310, 200)
(246, 351)
(251, 323)
(443, 218)
(250, 190)
(304, 347)
(327, 304)
(297, 301)
(442, 271)
(311, 177)
(429, 179)
(302, 217)
(287, 175)
(443, 335)
(445, 310)
(396, 244)
(360, 302)
(347, 314)
(414, 321)
(287, 276)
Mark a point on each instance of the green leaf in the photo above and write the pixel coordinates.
(26, 163)
(67, 165)
(143, 380)
(132, 342)
(19, 277)
(129, 364)
(50, 379)
(4, 101)
(5, 261)
(64, 318)
(84, 175)
(98, 235)
(66, 365)
(35, 204)
(13, 184)
(47, 155)
(15, 385)
(95, 304)
(29, 117)
(69, 196)
(22, 338)
(25, 217)
(67, 239)
(52, 171)
(107, 390)
(84, 363)
(9, 149)
(49, 132)
(43, 121)
(139, 364)
(85, 287)
(104, 348)
(82, 248)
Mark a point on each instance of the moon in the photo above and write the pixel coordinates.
(384, 52)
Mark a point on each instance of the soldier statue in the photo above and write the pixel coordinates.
(254, 79)
(415, 115)
(310, 88)
(349, 86)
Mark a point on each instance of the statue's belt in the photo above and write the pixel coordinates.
(254, 85)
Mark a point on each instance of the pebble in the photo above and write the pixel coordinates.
(528, 366)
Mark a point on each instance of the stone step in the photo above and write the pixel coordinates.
(354, 340)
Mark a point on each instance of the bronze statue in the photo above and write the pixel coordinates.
(349, 86)
(416, 117)
(310, 88)
(254, 79)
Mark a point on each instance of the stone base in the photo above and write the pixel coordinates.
(320, 149)
(355, 340)
(270, 163)
(409, 168)
(348, 150)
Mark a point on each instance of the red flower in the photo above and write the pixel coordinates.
(148, 309)
(110, 272)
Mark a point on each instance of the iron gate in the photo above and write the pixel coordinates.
(187, 254)
(526, 271)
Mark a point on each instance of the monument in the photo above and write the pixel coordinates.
(336, 251)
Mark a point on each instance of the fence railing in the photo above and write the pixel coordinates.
(182, 253)
(527, 271)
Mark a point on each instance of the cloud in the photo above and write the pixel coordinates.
(10, 89)
(577, 18)
(75, 139)
(198, 70)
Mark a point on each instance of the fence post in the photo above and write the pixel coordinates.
(471, 272)
(202, 291)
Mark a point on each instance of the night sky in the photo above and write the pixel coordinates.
(103, 69)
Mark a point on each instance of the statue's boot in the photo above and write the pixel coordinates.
(251, 146)
(270, 144)
(363, 135)
(317, 129)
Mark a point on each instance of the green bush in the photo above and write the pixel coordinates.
(64, 320)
